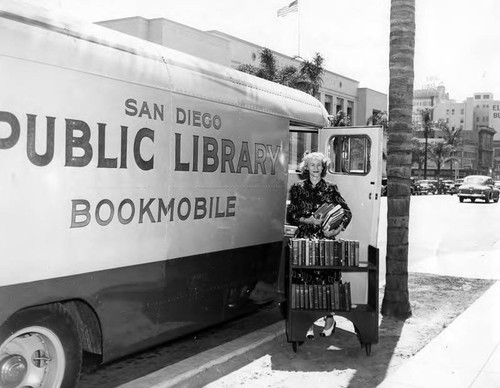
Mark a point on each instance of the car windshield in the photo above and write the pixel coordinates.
(474, 180)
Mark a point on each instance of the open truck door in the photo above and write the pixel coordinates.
(356, 168)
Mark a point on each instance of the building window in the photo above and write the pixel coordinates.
(328, 103)
(486, 96)
(340, 105)
(477, 97)
(350, 109)
(462, 111)
(300, 142)
(453, 111)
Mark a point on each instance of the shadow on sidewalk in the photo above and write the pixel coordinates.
(342, 355)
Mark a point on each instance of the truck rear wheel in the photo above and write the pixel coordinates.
(40, 347)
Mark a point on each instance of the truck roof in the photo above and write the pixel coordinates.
(253, 93)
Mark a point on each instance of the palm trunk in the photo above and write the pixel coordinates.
(396, 302)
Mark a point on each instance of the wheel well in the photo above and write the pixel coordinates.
(87, 324)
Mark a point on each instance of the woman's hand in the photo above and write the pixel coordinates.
(311, 220)
(333, 232)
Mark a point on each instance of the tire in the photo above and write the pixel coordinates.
(42, 344)
(473, 199)
(461, 199)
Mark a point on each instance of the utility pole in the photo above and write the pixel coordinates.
(427, 119)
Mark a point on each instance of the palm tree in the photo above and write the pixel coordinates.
(439, 152)
(313, 72)
(427, 124)
(307, 78)
(417, 154)
(268, 67)
(453, 137)
(396, 302)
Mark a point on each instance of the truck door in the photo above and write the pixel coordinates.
(356, 168)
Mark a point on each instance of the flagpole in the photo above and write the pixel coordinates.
(298, 31)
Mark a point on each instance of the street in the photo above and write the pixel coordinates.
(446, 238)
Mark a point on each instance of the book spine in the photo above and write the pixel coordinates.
(328, 296)
(301, 296)
(336, 286)
(348, 296)
(316, 297)
(294, 251)
(336, 253)
(356, 254)
(322, 252)
(306, 252)
(332, 297)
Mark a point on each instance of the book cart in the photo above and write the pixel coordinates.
(313, 293)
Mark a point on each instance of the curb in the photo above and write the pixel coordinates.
(212, 364)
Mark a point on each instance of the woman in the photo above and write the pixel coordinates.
(305, 198)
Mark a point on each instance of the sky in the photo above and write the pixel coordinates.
(457, 41)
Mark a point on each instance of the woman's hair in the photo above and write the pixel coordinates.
(308, 156)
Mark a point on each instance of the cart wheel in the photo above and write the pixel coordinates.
(368, 349)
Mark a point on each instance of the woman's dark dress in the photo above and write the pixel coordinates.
(306, 199)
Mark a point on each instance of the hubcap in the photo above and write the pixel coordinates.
(13, 370)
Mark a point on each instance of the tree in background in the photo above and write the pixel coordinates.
(308, 77)
(452, 137)
(312, 71)
(417, 154)
(396, 301)
(427, 125)
(380, 118)
(340, 119)
(439, 152)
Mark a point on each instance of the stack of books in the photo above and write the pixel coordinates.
(335, 296)
(324, 252)
(332, 215)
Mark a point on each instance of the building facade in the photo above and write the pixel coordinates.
(336, 93)
(479, 150)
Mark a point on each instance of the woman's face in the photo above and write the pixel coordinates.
(315, 167)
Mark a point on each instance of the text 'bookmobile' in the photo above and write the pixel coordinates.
(143, 192)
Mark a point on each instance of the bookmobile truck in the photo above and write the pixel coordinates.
(143, 191)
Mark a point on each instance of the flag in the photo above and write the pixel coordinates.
(292, 7)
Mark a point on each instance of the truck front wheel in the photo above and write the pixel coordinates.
(40, 347)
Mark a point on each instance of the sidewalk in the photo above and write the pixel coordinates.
(465, 354)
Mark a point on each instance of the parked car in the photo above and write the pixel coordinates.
(415, 187)
(383, 191)
(426, 187)
(458, 183)
(497, 184)
(478, 187)
(448, 184)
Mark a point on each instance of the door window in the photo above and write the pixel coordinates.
(349, 154)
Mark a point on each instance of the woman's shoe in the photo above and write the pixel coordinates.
(327, 331)
(310, 333)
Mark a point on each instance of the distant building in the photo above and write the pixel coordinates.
(336, 93)
(476, 118)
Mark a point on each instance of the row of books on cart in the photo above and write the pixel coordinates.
(324, 252)
(336, 296)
